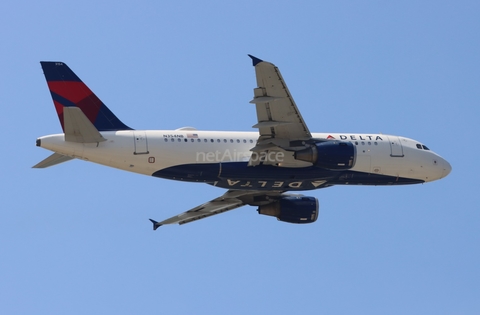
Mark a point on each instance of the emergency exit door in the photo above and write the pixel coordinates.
(140, 142)
(395, 146)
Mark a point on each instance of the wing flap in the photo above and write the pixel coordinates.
(270, 123)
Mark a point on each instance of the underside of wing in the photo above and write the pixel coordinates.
(232, 199)
(277, 113)
(280, 124)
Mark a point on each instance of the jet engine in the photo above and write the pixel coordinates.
(292, 209)
(334, 155)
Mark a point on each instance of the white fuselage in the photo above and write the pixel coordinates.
(148, 151)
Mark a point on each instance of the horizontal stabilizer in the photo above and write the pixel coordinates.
(78, 127)
(53, 159)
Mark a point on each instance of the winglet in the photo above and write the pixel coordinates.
(255, 60)
(156, 225)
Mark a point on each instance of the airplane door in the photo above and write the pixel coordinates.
(395, 147)
(140, 142)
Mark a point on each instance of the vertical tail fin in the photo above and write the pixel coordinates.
(68, 90)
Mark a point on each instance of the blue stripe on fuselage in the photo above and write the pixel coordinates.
(238, 175)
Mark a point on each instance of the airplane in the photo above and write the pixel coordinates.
(265, 168)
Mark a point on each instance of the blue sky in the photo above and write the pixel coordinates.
(76, 239)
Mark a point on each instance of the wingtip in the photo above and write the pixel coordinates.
(156, 225)
(255, 60)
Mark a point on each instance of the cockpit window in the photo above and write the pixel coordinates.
(425, 147)
(419, 146)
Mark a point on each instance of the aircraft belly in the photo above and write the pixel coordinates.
(281, 185)
(239, 175)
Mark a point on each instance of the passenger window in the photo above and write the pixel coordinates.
(225, 140)
(192, 140)
(419, 146)
(356, 142)
(198, 140)
(166, 139)
(231, 140)
(218, 140)
(173, 139)
(187, 140)
(238, 140)
(179, 140)
(251, 141)
(244, 141)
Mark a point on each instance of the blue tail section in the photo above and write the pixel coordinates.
(68, 90)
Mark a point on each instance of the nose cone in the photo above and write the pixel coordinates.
(438, 170)
(447, 168)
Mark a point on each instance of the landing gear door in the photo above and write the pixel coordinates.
(140, 142)
(395, 147)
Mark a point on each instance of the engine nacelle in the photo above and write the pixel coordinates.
(334, 155)
(292, 209)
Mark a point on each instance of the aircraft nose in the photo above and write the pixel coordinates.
(441, 168)
(447, 168)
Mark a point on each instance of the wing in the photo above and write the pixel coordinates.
(280, 123)
(232, 199)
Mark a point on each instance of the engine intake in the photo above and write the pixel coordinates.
(292, 209)
(334, 155)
